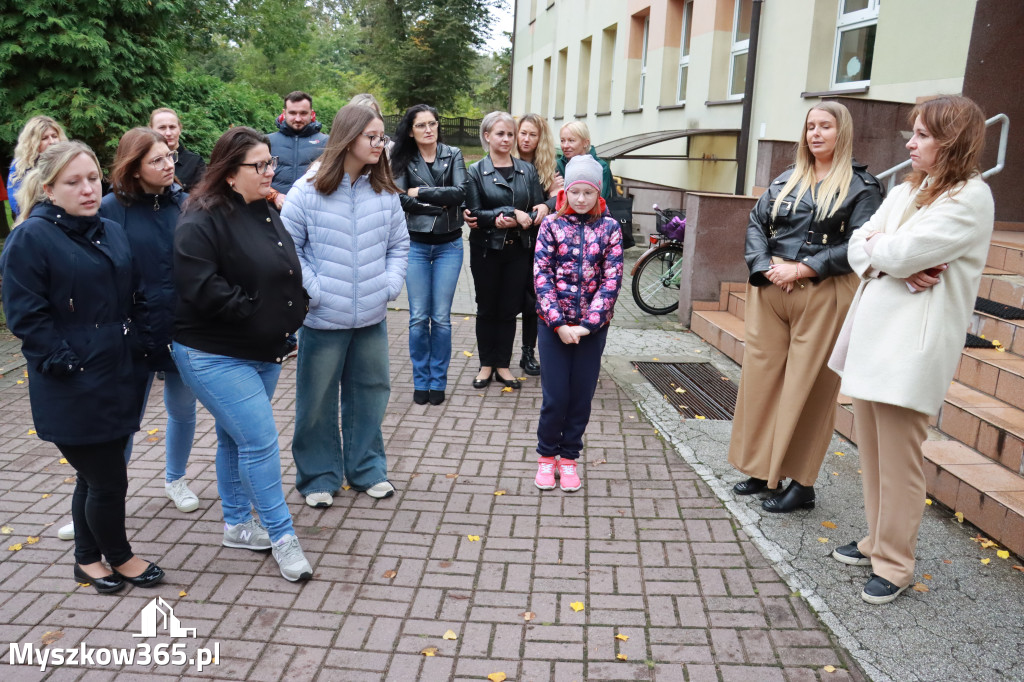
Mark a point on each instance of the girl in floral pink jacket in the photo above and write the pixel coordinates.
(577, 272)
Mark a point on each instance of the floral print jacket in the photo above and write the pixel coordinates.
(577, 269)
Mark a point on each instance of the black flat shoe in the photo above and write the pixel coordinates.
(435, 397)
(483, 383)
(148, 578)
(510, 383)
(750, 486)
(419, 397)
(105, 585)
(795, 497)
(528, 362)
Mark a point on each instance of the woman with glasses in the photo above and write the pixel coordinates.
(38, 134)
(432, 178)
(241, 299)
(505, 197)
(147, 202)
(349, 228)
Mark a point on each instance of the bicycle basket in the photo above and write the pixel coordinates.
(671, 223)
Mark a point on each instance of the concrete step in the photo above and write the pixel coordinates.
(997, 374)
(1010, 333)
(992, 427)
(721, 329)
(990, 497)
(738, 304)
(1007, 251)
(1002, 287)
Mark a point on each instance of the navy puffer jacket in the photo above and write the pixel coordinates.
(68, 295)
(296, 151)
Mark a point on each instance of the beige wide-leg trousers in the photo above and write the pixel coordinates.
(785, 410)
(889, 440)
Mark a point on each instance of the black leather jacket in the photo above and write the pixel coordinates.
(488, 196)
(437, 207)
(795, 234)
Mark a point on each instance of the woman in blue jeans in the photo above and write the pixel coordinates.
(146, 201)
(241, 299)
(432, 177)
(349, 229)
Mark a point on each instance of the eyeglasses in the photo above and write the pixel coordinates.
(161, 161)
(377, 140)
(262, 166)
(425, 126)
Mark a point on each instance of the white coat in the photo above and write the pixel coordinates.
(899, 347)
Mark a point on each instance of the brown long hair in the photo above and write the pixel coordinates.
(958, 126)
(133, 147)
(213, 190)
(349, 123)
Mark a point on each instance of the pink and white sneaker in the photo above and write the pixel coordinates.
(569, 479)
(545, 473)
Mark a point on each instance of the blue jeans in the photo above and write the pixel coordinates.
(237, 393)
(180, 402)
(430, 281)
(346, 367)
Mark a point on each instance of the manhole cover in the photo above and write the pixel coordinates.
(696, 389)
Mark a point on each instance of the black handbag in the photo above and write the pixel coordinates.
(621, 209)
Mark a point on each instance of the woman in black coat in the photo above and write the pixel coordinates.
(432, 177)
(69, 292)
(505, 197)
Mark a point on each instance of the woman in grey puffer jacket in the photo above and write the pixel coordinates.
(349, 230)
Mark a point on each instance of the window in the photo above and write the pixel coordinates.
(684, 52)
(583, 77)
(604, 92)
(855, 42)
(529, 89)
(740, 45)
(545, 93)
(563, 60)
(636, 61)
(643, 62)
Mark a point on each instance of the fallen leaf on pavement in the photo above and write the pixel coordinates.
(467, 353)
(621, 657)
(31, 540)
(920, 587)
(959, 517)
(450, 634)
(346, 487)
(152, 431)
(430, 651)
(822, 540)
(927, 576)
(928, 501)
(6, 530)
(45, 495)
(507, 389)
(700, 416)
(498, 493)
(839, 454)
(31, 432)
(62, 460)
(530, 615)
(946, 561)
(828, 524)
(15, 547)
(497, 677)
(473, 538)
(988, 544)
(829, 668)
(985, 561)
(577, 606)
(1019, 568)
(1003, 554)
(390, 574)
(50, 637)
(445, 564)
(183, 593)
(622, 637)
(680, 390)
(451, 475)
(70, 479)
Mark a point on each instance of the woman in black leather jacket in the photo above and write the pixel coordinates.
(432, 177)
(799, 290)
(505, 196)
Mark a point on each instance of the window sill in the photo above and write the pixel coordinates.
(633, 111)
(551, 4)
(723, 102)
(583, 115)
(557, 118)
(602, 113)
(835, 93)
(669, 107)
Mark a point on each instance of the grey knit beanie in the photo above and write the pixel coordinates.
(583, 168)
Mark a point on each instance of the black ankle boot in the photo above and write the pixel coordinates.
(529, 362)
(795, 497)
(750, 486)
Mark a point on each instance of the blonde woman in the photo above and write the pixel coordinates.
(921, 257)
(799, 290)
(574, 138)
(38, 134)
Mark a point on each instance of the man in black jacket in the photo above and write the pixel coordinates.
(297, 143)
(189, 167)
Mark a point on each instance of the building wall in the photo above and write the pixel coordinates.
(917, 53)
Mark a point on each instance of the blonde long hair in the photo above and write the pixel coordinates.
(27, 151)
(544, 154)
(837, 183)
(48, 166)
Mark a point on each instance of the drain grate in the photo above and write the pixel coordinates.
(696, 389)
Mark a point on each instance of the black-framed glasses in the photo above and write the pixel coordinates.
(262, 166)
(161, 161)
(426, 125)
(377, 140)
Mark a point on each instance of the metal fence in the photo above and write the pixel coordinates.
(455, 130)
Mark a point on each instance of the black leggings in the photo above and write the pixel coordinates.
(97, 506)
(500, 278)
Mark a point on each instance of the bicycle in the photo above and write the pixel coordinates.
(657, 272)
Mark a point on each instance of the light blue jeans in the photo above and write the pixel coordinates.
(180, 402)
(346, 368)
(430, 282)
(237, 393)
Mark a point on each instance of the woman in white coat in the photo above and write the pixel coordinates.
(920, 258)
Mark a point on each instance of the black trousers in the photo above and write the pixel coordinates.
(97, 506)
(500, 278)
(568, 379)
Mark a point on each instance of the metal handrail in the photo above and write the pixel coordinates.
(1004, 136)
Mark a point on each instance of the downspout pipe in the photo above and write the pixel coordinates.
(512, 56)
(743, 143)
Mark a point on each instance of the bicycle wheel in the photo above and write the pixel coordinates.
(656, 283)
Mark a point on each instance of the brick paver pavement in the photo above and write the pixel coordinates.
(645, 546)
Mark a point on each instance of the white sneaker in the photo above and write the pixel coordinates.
(67, 532)
(182, 496)
(248, 535)
(291, 560)
(381, 490)
(320, 500)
